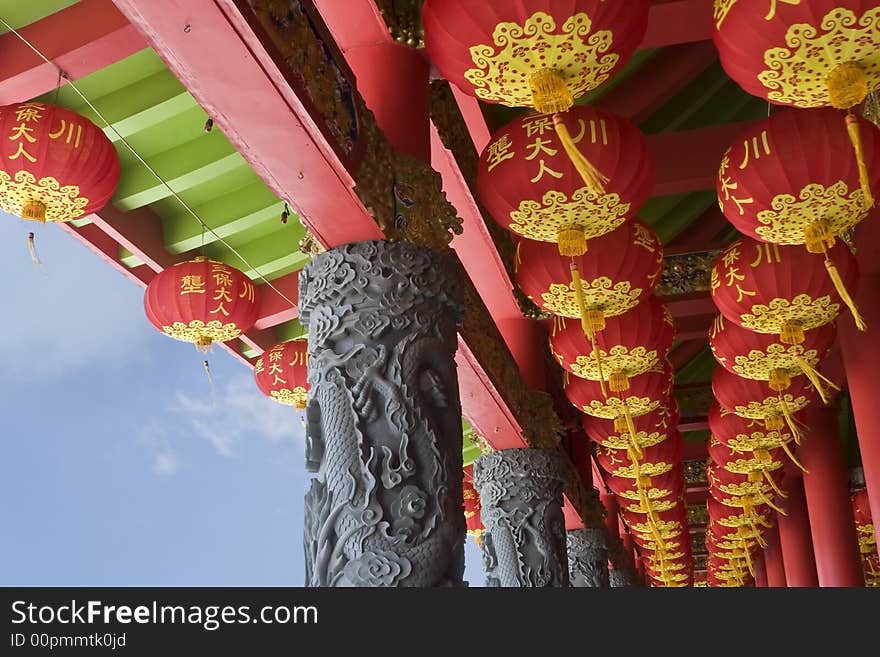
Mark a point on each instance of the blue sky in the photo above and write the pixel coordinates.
(116, 468)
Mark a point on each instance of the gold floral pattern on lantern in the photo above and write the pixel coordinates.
(746, 489)
(504, 69)
(652, 493)
(599, 294)
(667, 529)
(542, 220)
(643, 439)
(196, 331)
(764, 439)
(633, 471)
(838, 206)
(747, 465)
(631, 362)
(803, 309)
(613, 407)
(296, 397)
(758, 364)
(657, 506)
(63, 202)
(758, 410)
(797, 73)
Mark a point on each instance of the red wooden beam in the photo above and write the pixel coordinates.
(693, 424)
(659, 80)
(80, 39)
(106, 248)
(699, 303)
(694, 329)
(678, 21)
(700, 233)
(686, 351)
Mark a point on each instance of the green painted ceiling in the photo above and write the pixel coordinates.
(19, 13)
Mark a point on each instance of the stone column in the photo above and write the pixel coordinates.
(621, 577)
(521, 507)
(588, 557)
(383, 418)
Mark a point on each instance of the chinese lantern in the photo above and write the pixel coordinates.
(742, 435)
(530, 186)
(55, 165)
(654, 460)
(629, 345)
(762, 356)
(756, 465)
(752, 517)
(201, 301)
(725, 482)
(756, 400)
(472, 510)
(784, 290)
(864, 522)
(805, 53)
(619, 272)
(651, 428)
(282, 373)
(645, 394)
(666, 486)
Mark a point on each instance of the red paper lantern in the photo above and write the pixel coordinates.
(651, 461)
(665, 486)
(651, 428)
(783, 290)
(792, 178)
(55, 165)
(472, 509)
(531, 53)
(724, 484)
(763, 357)
(756, 400)
(745, 434)
(282, 373)
(620, 270)
(752, 516)
(629, 345)
(645, 394)
(806, 53)
(201, 301)
(529, 184)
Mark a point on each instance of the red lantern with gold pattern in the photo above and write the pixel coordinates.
(651, 428)
(620, 270)
(629, 345)
(756, 400)
(528, 183)
(282, 373)
(754, 517)
(792, 179)
(532, 53)
(55, 165)
(744, 435)
(202, 301)
(762, 356)
(654, 460)
(472, 509)
(783, 290)
(666, 486)
(723, 483)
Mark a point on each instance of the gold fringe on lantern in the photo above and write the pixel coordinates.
(791, 456)
(571, 241)
(779, 379)
(774, 423)
(34, 211)
(593, 178)
(204, 344)
(550, 92)
(792, 332)
(618, 381)
(852, 127)
(844, 294)
(789, 420)
(766, 500)
(847, 85)
(816, 378)
(818, 236)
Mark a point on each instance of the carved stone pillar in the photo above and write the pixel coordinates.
(521, 507)
(620, 577)
(383, 418)
(588, 557)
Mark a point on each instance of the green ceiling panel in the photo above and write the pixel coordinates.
(698, 369)
(19, 13)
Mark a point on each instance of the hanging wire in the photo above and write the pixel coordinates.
(123, 140)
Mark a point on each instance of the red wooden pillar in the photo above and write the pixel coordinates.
(393, 80)
(826, 486)
(760, 570)
(794, 536)
(773, 563)
(861, 358)
(612, 518)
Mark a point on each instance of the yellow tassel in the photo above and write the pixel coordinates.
(773, 484)
(644, 482)
(852, 127)
(204, 344)
(749, 560)
(792, 333)
(597, 355)
(34, 211)
(593, 178)
(579, 298)
(762, 455)
(631, 428)
(755, 476)
(844, 294)
(790, 455)
(815, 377)
(818, 237)
(789, 420)
(618, 381)
(766, 500)
(620, 424)
(773, 423)
(779, 379)
(847, 85)
(550, 92)
(571, 242)
(517, 258)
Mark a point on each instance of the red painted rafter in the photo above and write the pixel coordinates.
(80, 39)
(678, 21)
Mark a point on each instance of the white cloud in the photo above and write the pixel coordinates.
(71, 312)
(155, 440)
(238, 412)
